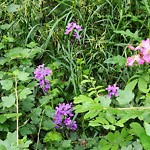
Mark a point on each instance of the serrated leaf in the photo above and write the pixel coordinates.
(25, 131)
(125, 97)
(66, 143)
(23, 76)
(6, 84)
(48, 125)
(23, 94)
(52, 136)
(8, 101)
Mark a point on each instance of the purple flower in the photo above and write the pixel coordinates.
(40, 73)
(73, 26)
(112, 90)
(63, 116)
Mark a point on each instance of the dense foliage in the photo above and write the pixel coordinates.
(74, 75)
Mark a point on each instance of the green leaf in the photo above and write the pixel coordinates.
(91, 114)
(11, 137)
(24, 93)
(1, 74)
(105, 101)
(6, 84)
(52, 136)
(8, 101)
(28, 104)
(116, 60)
(25, 131)
(128, 33)
(140, 132)
(23, 76)
(48, 125)
(94, 123)
(81, 99)
(142, 85)
(131, 85)
(2, 119)
(147, 128)
(13, 8)
(66, 143)
(125, 97)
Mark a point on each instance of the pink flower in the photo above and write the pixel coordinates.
(146, 50)
(135, 58)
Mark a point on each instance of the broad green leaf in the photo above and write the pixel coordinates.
(66, 143)
(147, 128)
(142, 85)
(81, 99)
(28, 103)
(139, 131)
(12, 115)
(116, 60)
(131, 85)
(25, 131)
(105, 101)
(23, 76)
(3, 60)
(11, 137)
(1, 74)
(2, 119)
(125, 97)
(80, 109)
(8, 101)
(6, 84)
(13, 8)
(23, 94)
(91, 114)
(52, 136)
(48, 125)
(94, 123)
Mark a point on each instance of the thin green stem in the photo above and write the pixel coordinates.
(38, 138)
(17, 110)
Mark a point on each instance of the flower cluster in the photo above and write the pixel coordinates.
(73, 26)
(143, 56)
(112, 90)
(63, 116)
(40, 73)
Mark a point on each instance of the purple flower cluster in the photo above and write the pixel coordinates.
(63, 116)
(112, 90)
(40, 73)
(73, 26)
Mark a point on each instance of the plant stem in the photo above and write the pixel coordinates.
(38, 138)
(17, 110)
(131, 108)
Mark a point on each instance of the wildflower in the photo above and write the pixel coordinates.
(145, 50)
(63, 116)
(135, 58)
(40, 74)
(73, 26)
(112, 90)
(144, 54)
